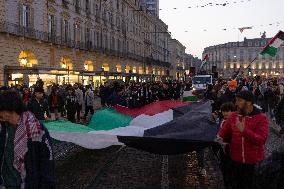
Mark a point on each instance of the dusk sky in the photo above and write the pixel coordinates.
(197, 28)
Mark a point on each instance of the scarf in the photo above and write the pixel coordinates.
(28, 127)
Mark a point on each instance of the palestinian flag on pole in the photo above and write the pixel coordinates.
(244, 28)
(274, 44)
(205, 60)
(163, 127)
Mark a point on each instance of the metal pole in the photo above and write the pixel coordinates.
(68, 74)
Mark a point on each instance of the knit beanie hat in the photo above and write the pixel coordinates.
(246, 95)
(233, 83)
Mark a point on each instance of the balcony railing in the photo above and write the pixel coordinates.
(77, 9)
(16, 29)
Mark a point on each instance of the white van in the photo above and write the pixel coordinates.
(199, 82)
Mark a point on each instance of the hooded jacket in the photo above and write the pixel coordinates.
(246, 147)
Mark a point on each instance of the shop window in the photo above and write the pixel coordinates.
(134, 70)
(27, 58)
(159, 72)
(147, 70)
(127, 69)
(140, 71)
(118, 68)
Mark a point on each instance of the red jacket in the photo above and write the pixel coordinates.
(246, 147)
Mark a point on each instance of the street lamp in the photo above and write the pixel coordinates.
(86, 67)
(64, 66)
(24, 61)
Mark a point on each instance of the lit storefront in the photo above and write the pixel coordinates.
(25, 75)
(28, 72)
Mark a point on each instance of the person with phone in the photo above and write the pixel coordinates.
(246, 131)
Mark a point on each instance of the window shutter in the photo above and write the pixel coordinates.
(74, 32)
(69, 31)
(54, 26)
(62, 30)
(31, 17)
(82, 33)
(20, 14)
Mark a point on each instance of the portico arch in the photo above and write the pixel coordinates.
(105, 67)
(27, 58)
(66, 63)
(88, 65)
(118, 68)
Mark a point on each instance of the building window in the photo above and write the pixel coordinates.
(76, 32)
(88, 38)
(64, 29)
(25, 16)
(88, 9)
(77, 6)
(51, 25)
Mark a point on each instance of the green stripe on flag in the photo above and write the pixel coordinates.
(108, 119)
(66, 126)
(190, 98)
(269, 50)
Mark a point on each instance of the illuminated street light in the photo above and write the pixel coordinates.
(64, 66)
(86, 67)
(24, 61)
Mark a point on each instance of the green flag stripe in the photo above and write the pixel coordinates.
(108, 119)
(190, 98)
(269, 50)
(66, 126)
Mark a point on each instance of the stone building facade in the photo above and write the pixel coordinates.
(177, 55)
(192, 64)
(228, 58)
(152, 6)
(86, 41)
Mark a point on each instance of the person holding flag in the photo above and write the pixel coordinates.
(204, 61)
(270, 49)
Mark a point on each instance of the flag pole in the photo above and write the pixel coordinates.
(246, 67)
(251, 62)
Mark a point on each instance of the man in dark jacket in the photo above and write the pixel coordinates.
(38, 105)
(26, 157)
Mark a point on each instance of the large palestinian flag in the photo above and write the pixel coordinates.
(163, 127)
(274, 44)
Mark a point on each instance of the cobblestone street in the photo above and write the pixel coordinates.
(123, 167)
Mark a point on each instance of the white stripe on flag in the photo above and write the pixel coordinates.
(277, 43)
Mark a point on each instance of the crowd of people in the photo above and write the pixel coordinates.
(137, 94)
(242, 107)
(77, 101)
(268, 95)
